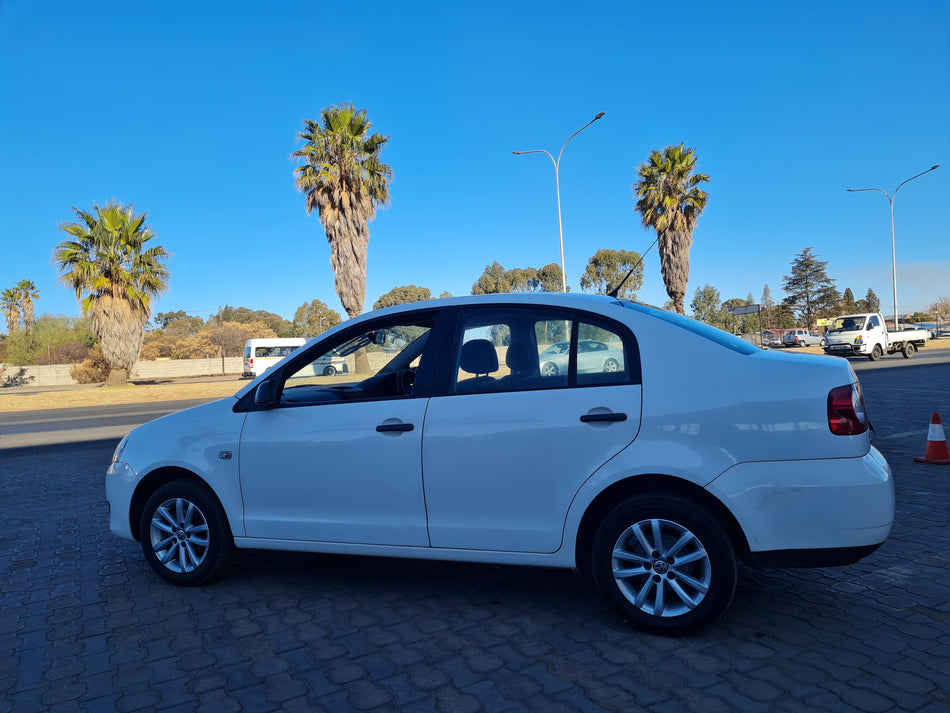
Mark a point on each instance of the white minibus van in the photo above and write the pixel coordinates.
(261, 354)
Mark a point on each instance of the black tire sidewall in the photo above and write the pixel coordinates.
(698, 521)
(220, 546)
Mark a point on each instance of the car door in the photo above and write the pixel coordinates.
(505, 447)
(339, 460)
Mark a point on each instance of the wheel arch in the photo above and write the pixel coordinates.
(152, 482)
(652, 484)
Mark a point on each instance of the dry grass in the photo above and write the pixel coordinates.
(105, 395)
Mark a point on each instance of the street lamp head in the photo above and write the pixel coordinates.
(600, 115)
(933, 167)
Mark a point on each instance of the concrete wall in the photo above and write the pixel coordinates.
(58, 374)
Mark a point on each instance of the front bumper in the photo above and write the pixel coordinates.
(846, 350)
(828, 511)
(120, 486)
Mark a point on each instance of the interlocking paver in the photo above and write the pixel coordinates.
(85, 625)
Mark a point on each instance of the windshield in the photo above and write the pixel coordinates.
(847, 324)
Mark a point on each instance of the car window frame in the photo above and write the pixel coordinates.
(422, 385)
(451, 346)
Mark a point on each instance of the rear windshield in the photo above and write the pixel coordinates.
(696, 327)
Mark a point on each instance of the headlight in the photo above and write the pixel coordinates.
(119, 448)
(859, 339)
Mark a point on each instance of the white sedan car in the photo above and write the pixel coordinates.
(447, 441)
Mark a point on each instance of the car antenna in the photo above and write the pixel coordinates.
(615, 292)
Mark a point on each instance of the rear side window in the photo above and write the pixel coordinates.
(529, 349)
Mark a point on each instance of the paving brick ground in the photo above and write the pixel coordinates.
(85, 625)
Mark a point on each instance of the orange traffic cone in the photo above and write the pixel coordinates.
(936, 444)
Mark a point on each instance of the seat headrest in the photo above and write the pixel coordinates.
(478, 357)
(522, 358)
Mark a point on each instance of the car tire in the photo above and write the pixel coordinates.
(185, 534)
(664, 564)
(823, 343)
(549, 368)
(908, 350)
(611, 366)
(329, 371)
(876, 353)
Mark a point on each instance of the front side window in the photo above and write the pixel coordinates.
(526, 349)
(380, 361)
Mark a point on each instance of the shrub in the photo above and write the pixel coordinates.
(93, 370)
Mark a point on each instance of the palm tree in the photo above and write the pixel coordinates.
(344, 180)
(670, 202)
(10, 301)
(28, 293)
(115, 276)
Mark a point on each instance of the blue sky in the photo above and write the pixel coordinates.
(190, 110)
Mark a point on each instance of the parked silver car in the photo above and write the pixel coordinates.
(593, 357)
(802, 338)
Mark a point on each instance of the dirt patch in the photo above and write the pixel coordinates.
(105, 395)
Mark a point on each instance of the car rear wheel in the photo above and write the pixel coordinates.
(664, 564)
(611, 366)
(185, 534)
(549, 368)
(908, 350)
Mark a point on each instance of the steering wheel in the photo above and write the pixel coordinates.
(404, 381)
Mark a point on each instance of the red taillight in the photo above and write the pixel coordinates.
(847, 415)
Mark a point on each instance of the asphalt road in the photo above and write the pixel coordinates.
(85, 625)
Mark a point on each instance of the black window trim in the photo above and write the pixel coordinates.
(422, 387)
(448, 355)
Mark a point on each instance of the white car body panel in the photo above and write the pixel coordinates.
(338, 480)
(514, 495)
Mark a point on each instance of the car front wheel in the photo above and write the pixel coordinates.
(185, 534)
(664, 564)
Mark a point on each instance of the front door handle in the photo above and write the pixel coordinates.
(601, 417)
(397, 427)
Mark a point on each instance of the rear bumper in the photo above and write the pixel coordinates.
(829, 511)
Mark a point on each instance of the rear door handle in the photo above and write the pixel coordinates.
(390, 427)
(601, 417)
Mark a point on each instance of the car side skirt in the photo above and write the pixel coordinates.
(789, 559)
(560, 559)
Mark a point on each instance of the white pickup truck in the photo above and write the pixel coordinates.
(865, 335)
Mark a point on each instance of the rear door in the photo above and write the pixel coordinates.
(506, 449)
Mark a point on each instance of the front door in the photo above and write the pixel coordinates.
(338, 457)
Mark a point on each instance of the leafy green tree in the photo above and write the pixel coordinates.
(403, 295)
(847, 304)
(314, 318)
(871, 302)
(10, 301)
(163, 318)
(496, 279)
(809, 292)
(744, 323)
(115, 275)
(670, 202)
(445, 294)
(707, 307)
(244, 315)
(28, 293)
(492, 281)
(607, 268)
(54, 339)
(343, 179)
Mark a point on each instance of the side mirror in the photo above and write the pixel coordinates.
(266, 394)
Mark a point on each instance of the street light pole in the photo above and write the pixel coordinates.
(890, 199)
(557, 187)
